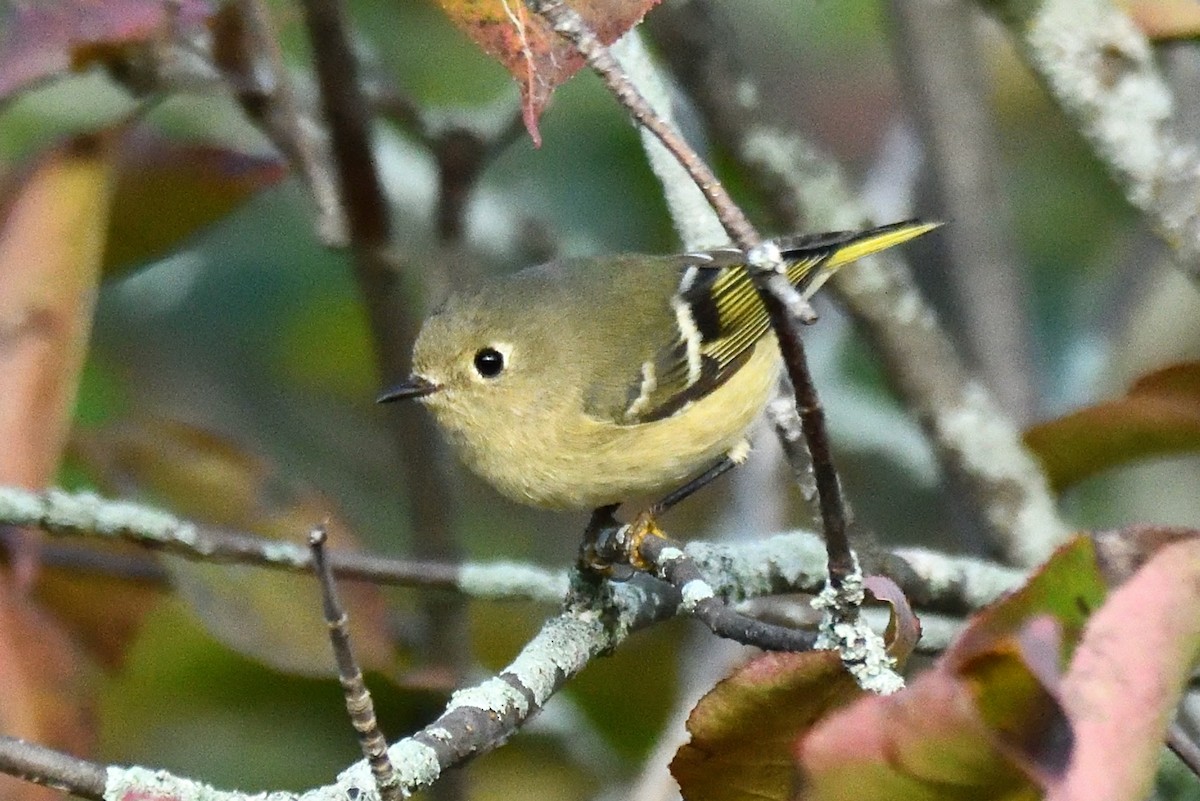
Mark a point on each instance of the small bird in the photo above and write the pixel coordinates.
(582, 383)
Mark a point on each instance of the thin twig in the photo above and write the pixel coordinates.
(568, 24)
(45, 766)
(668, 561)
(358, 698)
(393, 327)
(247, 47)
(970, 433)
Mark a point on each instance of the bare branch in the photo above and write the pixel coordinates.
(45, 766)
(247, 50)
(358, 698)
(1101, 70)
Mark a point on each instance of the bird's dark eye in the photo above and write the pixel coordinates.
(489, 362)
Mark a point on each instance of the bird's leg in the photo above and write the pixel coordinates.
(710, 475)
(599, 544)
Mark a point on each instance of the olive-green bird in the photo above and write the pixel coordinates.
(582, 383)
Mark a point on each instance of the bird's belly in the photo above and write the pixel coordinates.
(603, 463)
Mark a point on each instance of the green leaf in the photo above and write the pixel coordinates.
(537, 57)
(1159, 415)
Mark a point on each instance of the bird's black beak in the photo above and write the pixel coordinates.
(415, 386)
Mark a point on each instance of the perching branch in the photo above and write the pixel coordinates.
(780, 564)
(45, 766)
(483, 717)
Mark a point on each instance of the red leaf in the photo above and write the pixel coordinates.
(1128, 674)
(1159, 415)
(985, 723)
(537, 57)
(52, 37)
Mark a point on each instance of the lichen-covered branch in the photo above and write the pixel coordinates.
(780, 564)
(1101, 71)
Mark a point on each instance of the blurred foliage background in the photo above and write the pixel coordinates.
(254, 331)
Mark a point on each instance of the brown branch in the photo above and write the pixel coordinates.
(649, 550)
(348, 115)
(572, 27)
(45, 766)
(371, 739)
(246, 49)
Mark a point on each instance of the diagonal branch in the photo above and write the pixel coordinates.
(970, 434)
(1101, 71)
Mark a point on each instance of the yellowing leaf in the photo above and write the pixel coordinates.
(167, 191)
(537, 57)
(270, 616)
(1159, 415)
(51, 248)
(1165, 19)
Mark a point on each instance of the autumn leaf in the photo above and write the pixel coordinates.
(1129, 671)
(52, 237)
(1159, 415)
(538, 58)
(986, 722)
(49, 38)
(270, 616)
(743, 730)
